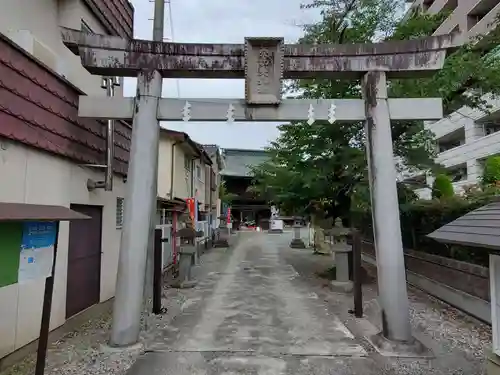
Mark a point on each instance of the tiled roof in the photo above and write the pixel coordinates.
(239, 161)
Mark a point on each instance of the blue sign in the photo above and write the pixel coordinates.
(38, 234)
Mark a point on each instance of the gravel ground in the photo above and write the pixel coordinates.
(84, 351)
(459, 342)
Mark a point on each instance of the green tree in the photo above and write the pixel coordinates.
(442, 187)
(326, 163)
(491, 172)
(224, 195)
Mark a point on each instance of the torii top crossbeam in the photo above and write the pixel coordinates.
(115, 56)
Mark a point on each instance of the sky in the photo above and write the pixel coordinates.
(221, 21)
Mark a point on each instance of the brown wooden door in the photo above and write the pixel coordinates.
(84, 260)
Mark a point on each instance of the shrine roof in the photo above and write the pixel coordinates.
(240, 161)
(478, 228)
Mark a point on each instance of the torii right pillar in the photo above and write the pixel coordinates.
(396, 335)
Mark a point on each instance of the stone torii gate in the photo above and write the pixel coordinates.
(263, 63)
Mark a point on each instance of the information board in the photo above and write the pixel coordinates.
(37, 250)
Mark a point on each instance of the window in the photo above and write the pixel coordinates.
(458, 174)
(119, 212)
(198, 172)
(187, 164)
(491, 127)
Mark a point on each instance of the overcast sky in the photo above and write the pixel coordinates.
(221, 21)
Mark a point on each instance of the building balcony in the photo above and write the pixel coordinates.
(482, 21)
(475, 150)
(439, 5)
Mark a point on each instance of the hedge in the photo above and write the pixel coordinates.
(423, 217)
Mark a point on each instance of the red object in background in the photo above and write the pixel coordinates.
(228, 215)
(174, 237)
(190, 205)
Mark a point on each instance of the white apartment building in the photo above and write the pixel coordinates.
(466, 137)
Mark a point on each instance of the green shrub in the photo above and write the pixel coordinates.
(442, 187)
(491, 172)
(422, 217)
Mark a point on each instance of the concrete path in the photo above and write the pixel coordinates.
(255, 316)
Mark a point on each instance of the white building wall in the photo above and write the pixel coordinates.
(165, 167)
(32, 176)
(182, 175)
(41, 19)
(199, 182)
(477, 146)
(38, 177)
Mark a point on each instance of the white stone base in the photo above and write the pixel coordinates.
(342, 286)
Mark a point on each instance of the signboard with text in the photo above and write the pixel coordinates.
(37, 250)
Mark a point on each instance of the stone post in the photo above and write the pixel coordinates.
(391, 274)
(341, 251)
(297, 242)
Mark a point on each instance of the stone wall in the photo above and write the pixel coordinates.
(466, 278)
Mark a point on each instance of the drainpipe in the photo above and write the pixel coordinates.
(172, 170)
(109, 84)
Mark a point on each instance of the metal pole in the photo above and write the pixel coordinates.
(110, 139)
(391, 272)
(356, 274)
(157, 274)
(43, 340)
(158, 26)
(137, 216)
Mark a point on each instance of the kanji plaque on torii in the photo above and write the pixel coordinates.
(263, 63)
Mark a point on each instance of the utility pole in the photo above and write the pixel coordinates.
(139, 206)
(158, 27)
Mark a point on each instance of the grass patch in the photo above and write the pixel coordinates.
(328, 274)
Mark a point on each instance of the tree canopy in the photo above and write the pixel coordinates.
(325, 164)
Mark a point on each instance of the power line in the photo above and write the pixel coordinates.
(172, 36)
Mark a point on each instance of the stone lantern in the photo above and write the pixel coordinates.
(297, 242)
(188, 257)
(341, 250)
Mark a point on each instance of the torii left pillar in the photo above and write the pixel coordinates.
(137, 215)
(385, 210)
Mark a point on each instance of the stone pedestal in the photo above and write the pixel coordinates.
(341, 284)
(297, 242)
(493, 364)
(186, 261)
(221, 238)
(341, 252)
(276, 226)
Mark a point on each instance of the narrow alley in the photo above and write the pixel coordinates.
(252, 313)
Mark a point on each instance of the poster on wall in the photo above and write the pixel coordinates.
(37, 250)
